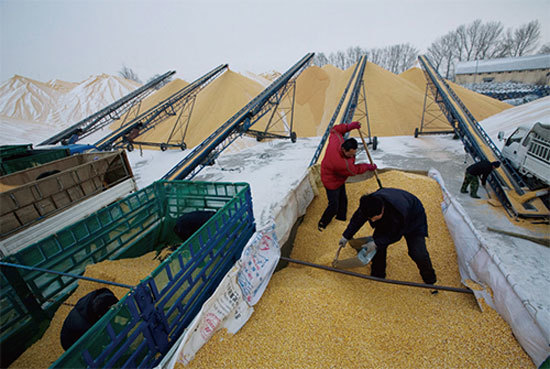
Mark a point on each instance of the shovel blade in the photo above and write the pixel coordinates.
(347, 263)
(358, 243)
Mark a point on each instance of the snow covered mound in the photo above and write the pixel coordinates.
(60, 103)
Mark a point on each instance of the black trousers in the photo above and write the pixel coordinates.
(417, 252)
(337, 205)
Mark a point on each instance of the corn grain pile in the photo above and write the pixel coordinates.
(311, 318)
(48, 349)
(394, 103)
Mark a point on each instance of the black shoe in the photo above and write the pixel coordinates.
(341, 219)
(475, 196)
(463, 191)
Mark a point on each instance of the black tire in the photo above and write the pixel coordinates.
(163, 147)
(375, 143)
(293, 137)
(416, 133)
(183, 146)
(130, 147)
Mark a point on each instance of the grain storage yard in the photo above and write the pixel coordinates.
(316, 318)
(313, 318)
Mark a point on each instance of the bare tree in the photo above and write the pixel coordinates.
(523, 40)
(544, 49)
(396, 58)
(128, 73)
(467, 37)
(445, 50)
(376, 56)
(353, 55)
(478, 41)
(489, 45)
(338, 59)
(320, 59)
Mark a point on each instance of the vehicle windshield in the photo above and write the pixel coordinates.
(515, 137)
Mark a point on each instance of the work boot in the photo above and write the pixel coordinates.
(474, 195)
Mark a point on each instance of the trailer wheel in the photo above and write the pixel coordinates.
(130, 147)
(416, 133)
(293, 137)
(163, 147)
(374, 143)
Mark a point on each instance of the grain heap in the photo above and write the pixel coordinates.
(480, 106)
(394, 102)
(44, 352)
(310, 318)
(214, 105)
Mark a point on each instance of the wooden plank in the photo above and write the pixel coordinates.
(27, 213)
(45, 206)
(48, 226)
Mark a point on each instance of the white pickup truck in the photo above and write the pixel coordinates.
(528, 150)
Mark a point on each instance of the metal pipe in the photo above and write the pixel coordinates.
(36, 269)
(392, 281)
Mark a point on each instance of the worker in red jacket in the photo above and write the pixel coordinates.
(337, 165)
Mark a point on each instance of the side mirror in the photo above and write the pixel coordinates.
(500, 135)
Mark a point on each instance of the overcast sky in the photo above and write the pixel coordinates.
(74, 39)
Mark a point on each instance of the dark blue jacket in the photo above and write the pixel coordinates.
(403, 215)
(188, 223)
(482, 169)
(87, 311)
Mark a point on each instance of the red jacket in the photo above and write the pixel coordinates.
(335, 167)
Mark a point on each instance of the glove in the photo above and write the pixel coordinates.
(343, 241)
(354, 125)
(371, 167)
(370, 246)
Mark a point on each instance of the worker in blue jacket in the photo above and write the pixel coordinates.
(480, 169)
(393, 213)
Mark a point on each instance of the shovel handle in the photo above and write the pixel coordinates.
(370, 159)
(337, 255)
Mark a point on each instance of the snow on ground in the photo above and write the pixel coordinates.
(508, 120)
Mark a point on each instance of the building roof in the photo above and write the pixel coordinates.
(504, 64)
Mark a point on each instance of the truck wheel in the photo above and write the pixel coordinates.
(130, 147)
(293, 137)
(374, 143)
(183, 146)
(416, 133)
(163, 147)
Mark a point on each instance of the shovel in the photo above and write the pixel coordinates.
(365, 248)
(370, 158)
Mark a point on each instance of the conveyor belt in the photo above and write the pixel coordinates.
(205, 153)
(159, 112)
(349, 99)
(505, 180)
